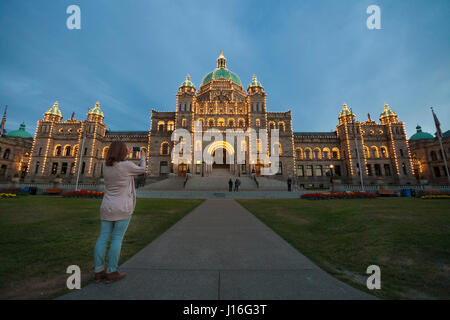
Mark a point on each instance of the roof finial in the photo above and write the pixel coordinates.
(221, 61)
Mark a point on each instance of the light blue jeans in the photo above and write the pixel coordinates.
(115, 230)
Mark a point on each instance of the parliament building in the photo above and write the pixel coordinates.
(379, 150)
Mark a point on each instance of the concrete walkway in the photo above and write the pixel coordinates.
(220, 251)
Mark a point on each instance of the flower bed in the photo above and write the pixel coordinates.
(338, 195)
(16, 191)
(83, 194)
(7, 195)
(435, 196)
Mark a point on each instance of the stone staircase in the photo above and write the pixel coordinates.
(217, 182)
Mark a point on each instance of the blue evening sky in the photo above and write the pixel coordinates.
(311, 56)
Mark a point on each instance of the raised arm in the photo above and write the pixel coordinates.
(135, 170)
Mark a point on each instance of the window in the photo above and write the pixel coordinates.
(40, 151)
(433, 156)
(183, 122)
(317, 153)
(337, 170)
(387, 170)
(299, 153)
(377, 170)
(161, 126)
(83, 167)
(3, 170)
(326, 153)
(443, 170)
(163, 168)
(309, 171)
(308, 154)
(64, 168)
(211, 122)
(36, 169)
(54, 167)
(170, 126)
(384, 152)
(318, 172)
(6, 154)
(85, 151)
(401, 152)
(300, 172)
(241, 123)
(404, 169)
(221, 122)
(258, 122)
(165, 148)
(437, 172)
(58, 151)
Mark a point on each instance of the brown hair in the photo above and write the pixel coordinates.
(117, 151)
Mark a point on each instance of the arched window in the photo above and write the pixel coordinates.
(317, 153)
(299, 153)
(161, 125)
(277, 148)
(170, 126)
(271, 125)
(165, 148)
(202, 121)
(326, 153)
(183, 122)
(211, 122)
(335, 153)
(231, 122)
(6, 154)
(198, 145)
(221, 122)
(67, 151)
(384, 152)
(375, 152)
(258, 122)
(258, 145)
(308, 154)
(281, 126)
(241, 123)
(57, 152)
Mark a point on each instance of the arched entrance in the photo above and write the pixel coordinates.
(224, 163)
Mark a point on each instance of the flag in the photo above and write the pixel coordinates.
(438, 125)
(2, 127)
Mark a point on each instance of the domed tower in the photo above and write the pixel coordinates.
(346, 115)
(388, 115)
(96, 114)
(256, 100)
(185, 103)
(221, 85)
(53, 114)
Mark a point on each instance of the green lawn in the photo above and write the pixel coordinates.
(41, 236)
(408, 238)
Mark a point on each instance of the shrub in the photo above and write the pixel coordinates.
(83, 194)
(338, 195)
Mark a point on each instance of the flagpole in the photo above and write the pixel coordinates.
(357, 152)
(81, 156)
(439, 135)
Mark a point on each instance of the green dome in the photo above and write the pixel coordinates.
(54, 110)
(419, 135)
(221, 72)
(187, 82)
(446, 134)
(21, 133)
(255, 83)
(96, 110)
(387, 112)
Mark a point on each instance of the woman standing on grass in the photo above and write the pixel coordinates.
(117, 206)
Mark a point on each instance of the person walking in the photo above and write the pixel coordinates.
(230, 185)
(237, 184)
(119, 202)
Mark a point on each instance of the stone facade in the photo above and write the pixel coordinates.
(221, 103)
(14, 155)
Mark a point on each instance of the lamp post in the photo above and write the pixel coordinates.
(331, 177)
